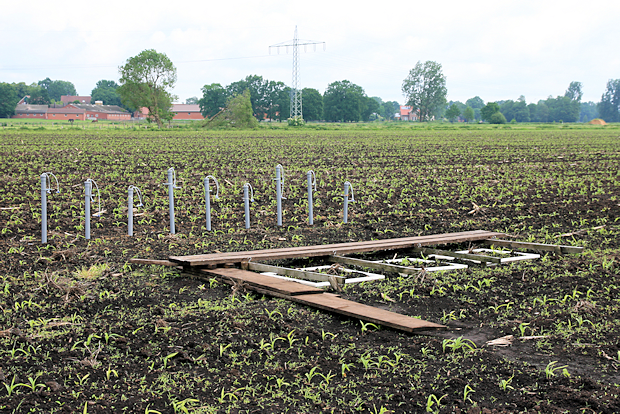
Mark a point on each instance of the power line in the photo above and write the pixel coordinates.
(97, 65)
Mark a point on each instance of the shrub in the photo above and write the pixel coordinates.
(497, 118)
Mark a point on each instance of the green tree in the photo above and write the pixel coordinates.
(213, 100)
(258, 88)
(275, 100)
(563, 109)
(453, 112)
(574, 92)
(8, 100)
(56, 89)
(587, 111)
(39, 96)
(192, 101)
(372, 107)
(106, 91)
(609, 107)
(497, 118)
(469, 114)
(477, 104)
(23, 90)
(344, 101)
(284, 99)
(488, 110)
(238, 114)
(425, 89)
(390, 108)
(145, 81)
(312, 106)
(543, 113)
(516, 110)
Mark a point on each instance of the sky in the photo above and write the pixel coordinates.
(497, 50)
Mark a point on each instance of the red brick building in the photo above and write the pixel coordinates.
(182, 112)
(65, 113)
(104, 112)
(24, 110)
(185, 111)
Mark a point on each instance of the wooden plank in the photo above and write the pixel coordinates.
(253, 279)
(367, 313)
(152, 262)
(374, 265)
(478, 257)
(285, 271)
(439, 238)
(475, 233)
(534, 246)
(332, 303)
(326, 250)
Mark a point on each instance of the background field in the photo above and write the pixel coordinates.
(102, 336)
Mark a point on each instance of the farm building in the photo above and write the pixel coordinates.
(24, 110)
(183, 112)
(406, 114)
(81, 112)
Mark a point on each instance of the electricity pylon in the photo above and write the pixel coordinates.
(296, 101)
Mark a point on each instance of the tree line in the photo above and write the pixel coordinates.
(343, 101)
(49, 92)
(565, 108)
(146, 80)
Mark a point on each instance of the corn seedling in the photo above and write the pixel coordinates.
(311, 374)
(466, 392)
(433, 401)
(326, 334)
(367, 326)
(551, 369)
(10, 388)
(168, 358)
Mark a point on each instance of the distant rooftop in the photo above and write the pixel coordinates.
(70, 98)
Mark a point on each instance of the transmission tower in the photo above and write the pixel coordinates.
(296, 101)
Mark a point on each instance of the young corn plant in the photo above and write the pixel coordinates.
(550, 370)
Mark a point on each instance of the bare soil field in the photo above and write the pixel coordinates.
(83, 330)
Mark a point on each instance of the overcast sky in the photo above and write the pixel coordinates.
(497, 49)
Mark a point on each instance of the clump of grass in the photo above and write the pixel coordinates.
(94, 272)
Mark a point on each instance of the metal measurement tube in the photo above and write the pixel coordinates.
(246, 202)
(208, 203)
(279, 193)
(171, 198)
(345, 210)
(310, 212)
(130, 211)
(43, 208)
(88, 189)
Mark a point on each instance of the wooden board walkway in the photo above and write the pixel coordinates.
(268, 283)
(318, 299)
(332, 249)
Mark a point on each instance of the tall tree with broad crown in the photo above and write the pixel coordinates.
(145, 80)
(213, 99)
(574, 92)
(8, 100)
(488, 110)
(344, 101)
(469, 114)
(312, 105)
(106, 91)
(609, 107)
(425, 89)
